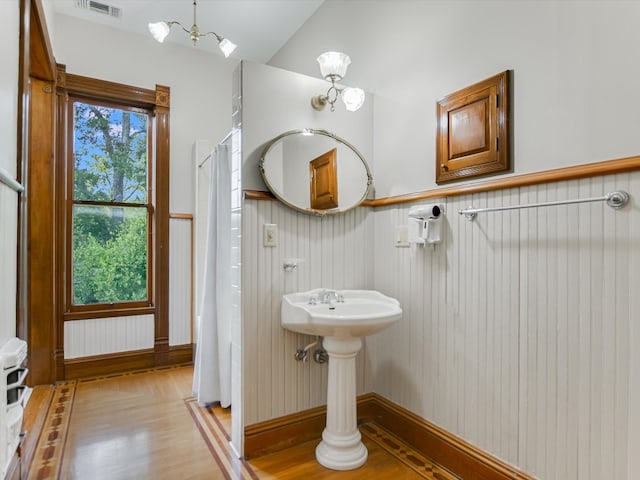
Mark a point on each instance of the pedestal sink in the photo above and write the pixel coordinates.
(342, 318)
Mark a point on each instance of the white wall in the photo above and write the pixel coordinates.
(543, 375)
(334, 252)
(200, 109)
(200, 86)
(519, 332)
(9, 46)
(99, 336)
(572, 75)
(181, 281)
(275, 101)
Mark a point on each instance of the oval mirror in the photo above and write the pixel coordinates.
(315, 171)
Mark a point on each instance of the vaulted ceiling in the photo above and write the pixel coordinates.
(259, 27)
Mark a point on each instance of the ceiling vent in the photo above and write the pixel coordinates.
(99, 7)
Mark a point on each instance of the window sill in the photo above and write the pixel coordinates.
(107, 313)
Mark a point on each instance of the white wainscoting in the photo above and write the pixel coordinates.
(453, 359)
(334, 252)
(520, 331)
(180, 280)
(99, 336)
(8, 261)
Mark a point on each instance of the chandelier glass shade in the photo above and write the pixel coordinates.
(160, 31)
(333, 67)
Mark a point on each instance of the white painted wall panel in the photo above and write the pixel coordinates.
(8, 261)
(200, 104)
(630, 417)
(99, 336)
(518, 330)
(452, 352)
(180, 281)
(560, 52)
(267, 90)
(9, 37)
(334, 252)
(576, 315)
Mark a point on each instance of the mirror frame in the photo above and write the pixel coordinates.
(313, 211)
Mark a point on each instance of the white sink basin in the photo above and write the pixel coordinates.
(349, 313)
(341, 317)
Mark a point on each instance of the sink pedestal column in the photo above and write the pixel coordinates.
(341, 447)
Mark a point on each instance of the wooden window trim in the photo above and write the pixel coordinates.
(103, 90)
(157, 103)
(126, 307)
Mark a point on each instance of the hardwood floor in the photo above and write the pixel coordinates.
(146, 426)
(382, 464)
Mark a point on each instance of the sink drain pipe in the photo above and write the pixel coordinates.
(320, 355)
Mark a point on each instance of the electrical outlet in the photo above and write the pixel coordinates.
(402, 236)
(270, 235)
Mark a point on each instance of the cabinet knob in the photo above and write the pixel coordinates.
(444, 167)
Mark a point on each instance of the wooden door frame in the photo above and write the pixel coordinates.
(36, 312)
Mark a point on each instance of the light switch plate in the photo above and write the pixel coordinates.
(270, 235)
(402, 236)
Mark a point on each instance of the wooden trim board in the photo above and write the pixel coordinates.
(607, 167)
(35, 413)
(445, 449)
(283, 432)
(441, 446)
(121, 362)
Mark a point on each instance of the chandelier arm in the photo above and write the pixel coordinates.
(218, 37)
(179, 24)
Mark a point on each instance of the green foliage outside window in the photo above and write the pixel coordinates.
(109, 256)
(110, 212)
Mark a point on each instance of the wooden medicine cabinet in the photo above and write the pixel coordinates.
(473, 125)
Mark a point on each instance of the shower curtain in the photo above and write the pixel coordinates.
(212, 371)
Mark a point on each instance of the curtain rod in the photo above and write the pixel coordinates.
(616, 200)
(208, 157)
(205, 160)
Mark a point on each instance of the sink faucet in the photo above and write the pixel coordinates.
(329, 296)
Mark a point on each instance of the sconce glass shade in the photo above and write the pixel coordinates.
(159, 30)
(334, 64)
(353, 98)
(227, 46)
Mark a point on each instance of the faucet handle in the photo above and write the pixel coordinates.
(340, 298)
(328, 296)
(312, 299)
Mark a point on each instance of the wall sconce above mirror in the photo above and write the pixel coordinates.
(315, 171)
(333, 67)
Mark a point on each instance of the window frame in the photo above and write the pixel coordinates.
(157, 104)
(71, 202)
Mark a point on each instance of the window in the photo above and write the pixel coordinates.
(109, 209)
(113, 223)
